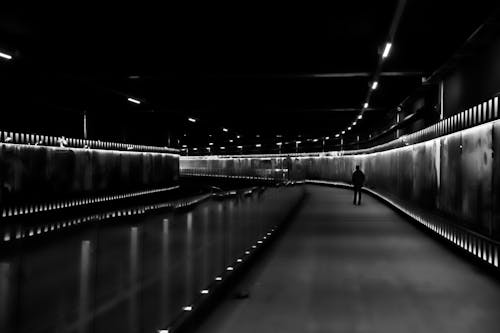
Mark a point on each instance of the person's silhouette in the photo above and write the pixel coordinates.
(358, 178)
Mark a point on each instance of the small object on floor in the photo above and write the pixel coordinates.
(241, 294)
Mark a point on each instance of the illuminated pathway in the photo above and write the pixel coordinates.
(343, 268)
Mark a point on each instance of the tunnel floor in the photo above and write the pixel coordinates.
(345, 268)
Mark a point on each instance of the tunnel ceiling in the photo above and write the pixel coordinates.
(256, 70)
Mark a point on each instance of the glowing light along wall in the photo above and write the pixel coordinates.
(32, 174)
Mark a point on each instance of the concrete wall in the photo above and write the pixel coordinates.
(455, 176)
(36, 173)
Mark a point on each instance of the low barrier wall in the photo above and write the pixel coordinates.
(33, 174)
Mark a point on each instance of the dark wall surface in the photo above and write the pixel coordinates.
(455, 176)
(476, 79)
(35, 173)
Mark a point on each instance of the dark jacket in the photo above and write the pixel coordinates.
(358, 178)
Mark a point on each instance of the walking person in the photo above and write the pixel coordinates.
(358, 178)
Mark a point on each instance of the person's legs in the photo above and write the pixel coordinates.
(357, 195)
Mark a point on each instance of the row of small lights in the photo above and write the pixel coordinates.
(219, 278)
(374, 86)
(257, 145)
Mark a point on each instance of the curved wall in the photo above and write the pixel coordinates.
(454, 176)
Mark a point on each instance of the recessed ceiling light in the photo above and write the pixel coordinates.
(133, 100)
(5, 56)
(387, 50)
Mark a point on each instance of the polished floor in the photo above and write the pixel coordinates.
(345, 268)
(133, 274)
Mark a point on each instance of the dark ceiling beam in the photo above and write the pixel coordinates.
(334, 75)
(356, 75)
(329, 110)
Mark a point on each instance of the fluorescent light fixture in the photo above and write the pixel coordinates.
(239, 147)
(365, 105)
(218, 278)
(279, 143)
(297, 142)
(222, 147)
(133, 100)
(210, 143)
(343, 132)
(204, 291)
(184, 146)
(5, 56)
(349, 128)
(387, 49)
(374, 85)
(315, 140)
(327, 138)
(354, 123)
(230, 268)
(237, 137)
(195, 148)
(230, 140)
(360, 116)
(225, 129)
(258, 145)
(192, 120)
(187, 308)
(337, 135)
